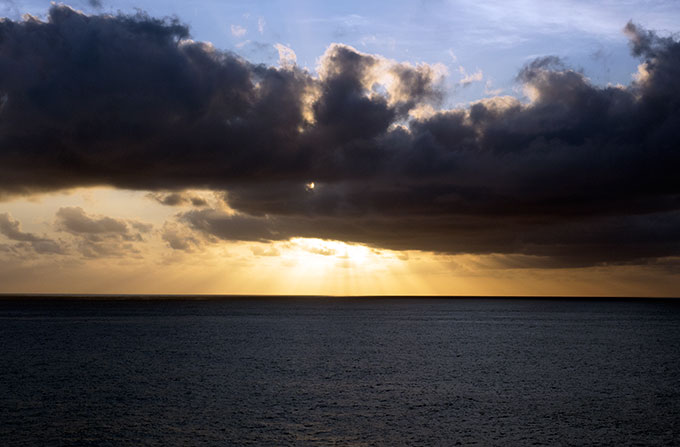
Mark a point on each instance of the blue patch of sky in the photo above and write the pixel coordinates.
(494, 36)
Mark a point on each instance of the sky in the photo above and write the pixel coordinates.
(340, 148)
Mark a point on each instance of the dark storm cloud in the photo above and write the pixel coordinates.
(554, 242)
(130, 101)
(581, 173)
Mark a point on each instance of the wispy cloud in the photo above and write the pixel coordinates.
(469, 78)
(238, 30)
(519, 18)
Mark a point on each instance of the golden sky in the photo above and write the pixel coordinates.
(149, 264)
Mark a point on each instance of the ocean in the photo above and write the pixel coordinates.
(319, 371)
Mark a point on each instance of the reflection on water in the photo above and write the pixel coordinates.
(340, 372)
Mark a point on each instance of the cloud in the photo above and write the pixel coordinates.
(107, 120)
(469, 78)
(489, 90)
(233, 227)
(261, 24)
(179, 237)
(576, 173)
(262, 251)
(75, 221)
(11, 229)
(323, 251)
(550, 243)
(101, 236)
(238, 30)
(287, 57)
(177, 199)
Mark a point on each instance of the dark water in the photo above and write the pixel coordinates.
(340, 372)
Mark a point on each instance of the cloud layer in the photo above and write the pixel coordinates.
(580, 174)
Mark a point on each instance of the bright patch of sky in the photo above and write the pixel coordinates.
(489, 39)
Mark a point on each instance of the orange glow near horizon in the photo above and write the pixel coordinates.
(299, 266)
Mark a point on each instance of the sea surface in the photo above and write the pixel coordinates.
(339, 372)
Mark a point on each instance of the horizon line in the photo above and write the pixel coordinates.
(6, 296)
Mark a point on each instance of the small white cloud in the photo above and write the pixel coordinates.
(469, 78)
(270, 250)
(260, 24)
(238, 30)
(368, 39)
(489, 90)
(642, 74)
(454, 58)
(287, 57)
